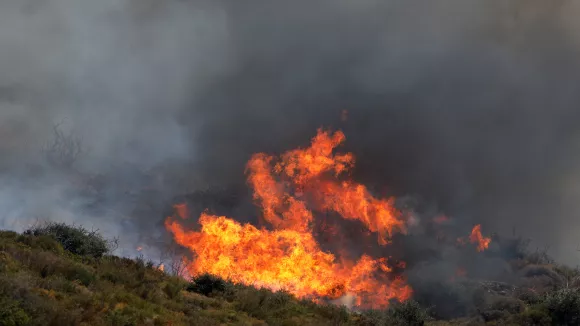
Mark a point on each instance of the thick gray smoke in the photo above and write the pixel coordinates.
(470, 105)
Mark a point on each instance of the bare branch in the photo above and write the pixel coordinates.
(64, 149)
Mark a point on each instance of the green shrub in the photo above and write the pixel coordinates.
(281, 308)
(528, 296)
(49, 286)
(75, 239)
(43, 242)
(8, 234)
(80, 273)
(174, 287)
(121, 318)
(534, 316)
(207, 284)
(7, 263)
(339, 315)
(564, 306)
(407, 313)
(11, 314)
(507, 304)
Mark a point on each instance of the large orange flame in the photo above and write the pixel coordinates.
(288, 256)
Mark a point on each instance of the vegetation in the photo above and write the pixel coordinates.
(75, 239)
(207, 284)
(55, 274)
(409, 313)
(564, 306)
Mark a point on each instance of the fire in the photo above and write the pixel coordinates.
(477, 238)
(353, 201)
(289, 190)
(306, 170)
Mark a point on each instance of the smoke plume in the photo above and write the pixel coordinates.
(467, 106)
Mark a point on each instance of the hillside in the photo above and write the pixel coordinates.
(41, 283)
(62, 275)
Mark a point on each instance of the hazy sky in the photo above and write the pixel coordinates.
(470, 105)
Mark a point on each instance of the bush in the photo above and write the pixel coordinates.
(11, 314)
(536, 316)
(79, 273)
(564, 306)
(448, 300)
(7, 263)
(407, 313)
(75, 239)
(174, 287)
(8, 234)
(528, 296)
(501, 308)
(207, 284)
(43, 242)
(508, 304)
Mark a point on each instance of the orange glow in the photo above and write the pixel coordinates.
(477, 238)
(440, 219)
(289, 189)
(181, 210)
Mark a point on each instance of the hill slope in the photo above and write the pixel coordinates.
(61, 275)
(41, 283)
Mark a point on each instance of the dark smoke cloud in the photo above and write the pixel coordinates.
(468, 105)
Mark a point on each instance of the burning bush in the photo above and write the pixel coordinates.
(75, 239)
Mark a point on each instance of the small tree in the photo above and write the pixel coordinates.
(564, 306)
(75, 239)
(11, 314)
(406, 313)
(207, 284)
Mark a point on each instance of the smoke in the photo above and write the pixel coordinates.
(468, 105)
